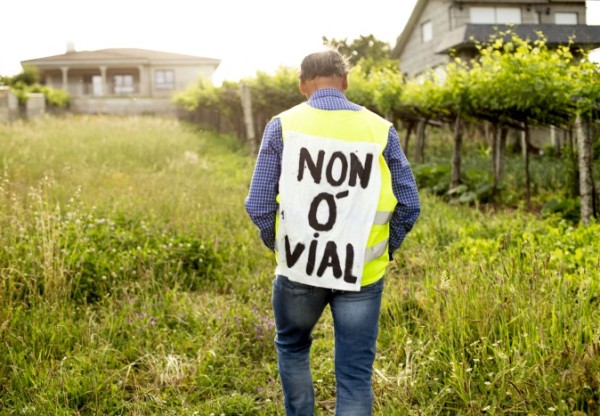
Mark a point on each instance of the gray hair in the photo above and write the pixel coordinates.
(330, 63)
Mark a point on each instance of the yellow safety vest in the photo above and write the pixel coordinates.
(353, 126)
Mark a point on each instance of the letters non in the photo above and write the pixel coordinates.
(337, 170)
(324, 182)
(315, 169)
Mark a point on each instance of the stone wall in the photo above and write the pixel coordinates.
(35, 105)
(122, 106)
(9, 105)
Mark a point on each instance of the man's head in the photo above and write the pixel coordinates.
(327, 69)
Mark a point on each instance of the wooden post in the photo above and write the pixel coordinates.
(586, 182)
(410, 125)
(456, 153)
(499, 134)
(526, 140)
(248, 116)
(420, 142)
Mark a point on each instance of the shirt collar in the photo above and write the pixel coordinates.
(327, 92)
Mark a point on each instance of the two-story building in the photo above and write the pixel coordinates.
(121, 81)
(437, 27)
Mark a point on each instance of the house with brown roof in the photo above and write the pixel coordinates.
(436, 27)
(121, 80)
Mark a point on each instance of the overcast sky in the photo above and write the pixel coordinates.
(246, 35)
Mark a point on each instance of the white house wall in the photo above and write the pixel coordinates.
(184, 76)
(418, 55)
(447, 17)
(529, 12)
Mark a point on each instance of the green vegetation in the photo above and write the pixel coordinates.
(552, 177)
(131, 282)
(27, 82)
(513, 86)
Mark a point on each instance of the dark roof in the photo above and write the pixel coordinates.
(583, 36)
(129, 55)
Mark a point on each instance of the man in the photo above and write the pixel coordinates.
(334, 196)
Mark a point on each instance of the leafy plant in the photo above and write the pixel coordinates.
(566, 208)
(433, 177)
(28, 82)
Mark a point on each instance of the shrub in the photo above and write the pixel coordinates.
(433, 177)
(85, 256)
(28, 81)
(567, 208)
(56, 97)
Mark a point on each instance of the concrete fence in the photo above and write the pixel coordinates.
(9, 105)
(35, 106)
(10, 110)
(122, 106)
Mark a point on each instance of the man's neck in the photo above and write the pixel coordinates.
(309, 87)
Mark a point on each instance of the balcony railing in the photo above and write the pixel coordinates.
(96, 90)
(89, 89)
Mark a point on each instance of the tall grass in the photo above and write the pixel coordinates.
(502, 320)
(133, 283)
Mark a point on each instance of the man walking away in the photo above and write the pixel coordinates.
(333, 196)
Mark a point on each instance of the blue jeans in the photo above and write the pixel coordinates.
(297, 309)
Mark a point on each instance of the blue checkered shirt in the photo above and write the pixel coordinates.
(262, 207)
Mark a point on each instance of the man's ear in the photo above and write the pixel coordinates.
(345, 82)
(302, 87)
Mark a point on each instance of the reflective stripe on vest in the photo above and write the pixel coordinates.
(376, 251)
(382, 217)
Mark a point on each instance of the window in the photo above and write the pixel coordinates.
(427, 31)
(97, 86)
(164, 78)
(565, 18)
(493, 15)
(123, 84)
(482, 15)
(508, 15)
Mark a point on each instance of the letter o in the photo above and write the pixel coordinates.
(314, 206)
(343, 169)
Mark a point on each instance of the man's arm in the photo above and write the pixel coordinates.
(405, 190)
(260, 203)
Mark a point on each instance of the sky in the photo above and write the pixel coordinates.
(245, 35)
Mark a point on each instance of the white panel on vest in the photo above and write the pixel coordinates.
(329, 191)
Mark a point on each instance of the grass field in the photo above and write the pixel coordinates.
(132, 283)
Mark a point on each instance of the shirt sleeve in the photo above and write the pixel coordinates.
(405, 190)
(261, 204)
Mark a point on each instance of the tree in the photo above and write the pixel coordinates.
(367, 51)
(421, 101)
(586, 94)
(29, 76)
(365, 47)
(518, 83)
(272, 94)
(378, 90)
(455, 103)
(445, 100)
